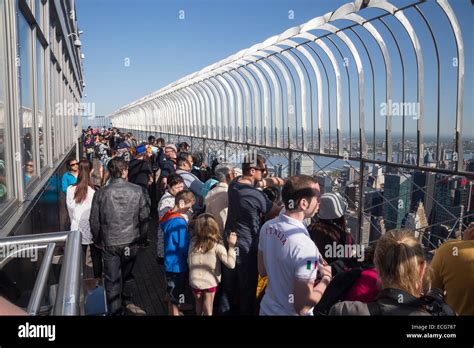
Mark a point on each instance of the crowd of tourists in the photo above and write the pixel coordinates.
(242, 242)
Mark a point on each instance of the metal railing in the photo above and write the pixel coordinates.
(280, 93)
(364, 229)
(67, 301)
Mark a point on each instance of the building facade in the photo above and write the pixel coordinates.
(41, 85)
(397, 194)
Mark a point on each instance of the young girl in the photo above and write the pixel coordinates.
(206, 252)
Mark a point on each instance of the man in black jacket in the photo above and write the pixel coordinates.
(141, 174)
(119, 220)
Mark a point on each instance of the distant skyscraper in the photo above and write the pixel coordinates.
(279, 170)
(396, 157)
(377, 228)
(428, 159)
(351, 192)
(365, 229)
(470, 166)
(397, 195)
(423, 191)
(348, 174)
(325, 184)
(354, 223)
(296, 167)
(417, 221)
(452, 199)
(443, 155)
(303, 165)
(373, 202)
(377, 173)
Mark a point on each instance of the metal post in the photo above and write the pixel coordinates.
(361, 201)
(41, 281)
(290, 163)
(225, 152)
(67, 300)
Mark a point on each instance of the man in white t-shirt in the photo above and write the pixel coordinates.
(288, 256)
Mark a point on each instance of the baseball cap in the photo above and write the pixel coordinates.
(141, 149)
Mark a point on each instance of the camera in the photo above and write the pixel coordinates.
(434, 303)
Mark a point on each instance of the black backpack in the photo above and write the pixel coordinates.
(336, 290)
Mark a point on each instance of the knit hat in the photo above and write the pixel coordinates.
(332, 206)
(172, 147)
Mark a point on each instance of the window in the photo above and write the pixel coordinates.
(3, 141)
(52, 101)
(40, 102)
(61, 115)
(26, 100)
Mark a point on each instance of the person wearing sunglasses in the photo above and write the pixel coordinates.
(29, 171)
(70, 177)
(248, 208)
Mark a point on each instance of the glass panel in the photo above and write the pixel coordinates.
(3, 140)
(26, 100)
(40, 101)
(59, 113)
(39, 12)
(52, 71)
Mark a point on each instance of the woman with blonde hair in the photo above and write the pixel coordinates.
(206, 252)
(403, 271)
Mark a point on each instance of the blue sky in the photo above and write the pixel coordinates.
(161, 48)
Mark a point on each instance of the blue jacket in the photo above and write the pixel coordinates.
(67, 180)
(176, 238)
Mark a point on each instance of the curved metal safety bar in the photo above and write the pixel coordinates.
(255, 97)
(69, 286)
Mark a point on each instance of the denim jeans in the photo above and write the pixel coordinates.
(118, 277)
(96, 256)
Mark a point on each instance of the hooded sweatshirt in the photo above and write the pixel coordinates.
(176, 237)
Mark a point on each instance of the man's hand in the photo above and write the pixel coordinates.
(325, 270)
(270, 182)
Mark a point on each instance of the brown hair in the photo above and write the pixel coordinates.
(84, 181)
(116, 166)
(325, 232)
(206, 233)
(296, 188)
(186, 196)
(249, 163)
(398, 258)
